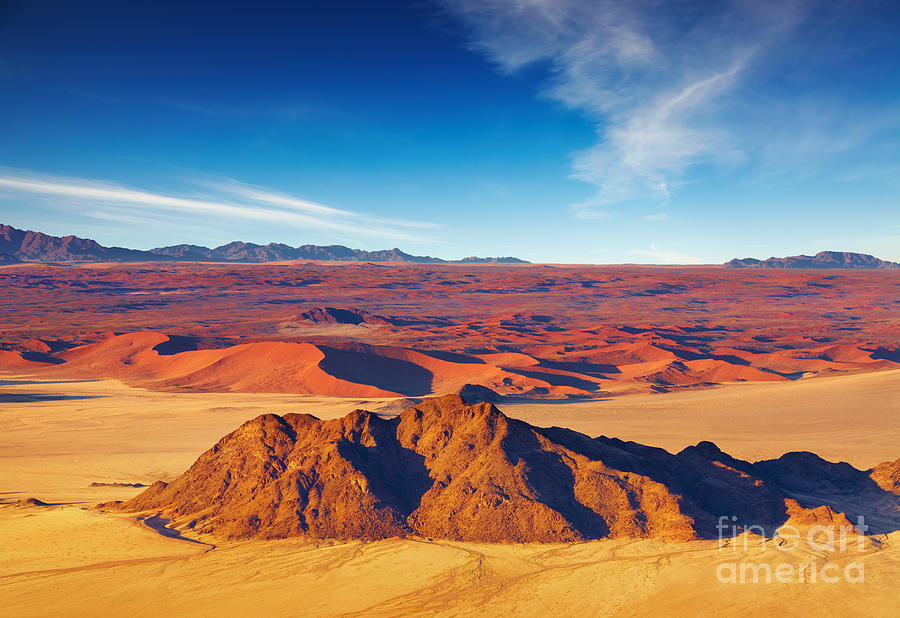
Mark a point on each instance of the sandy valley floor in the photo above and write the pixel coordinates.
(58, 438)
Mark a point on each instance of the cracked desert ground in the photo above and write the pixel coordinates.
(58, 437)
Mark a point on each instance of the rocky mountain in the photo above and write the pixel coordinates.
(448, 469)
(472, 259)
(31, 246)
(823, 259)
(273, 252)
(193, 253)
(27, 245)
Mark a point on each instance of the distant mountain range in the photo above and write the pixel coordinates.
(823, 259)
(28, 246)
(25, 245)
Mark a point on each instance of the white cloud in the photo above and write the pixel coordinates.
(659, 256)
(657, 216)
(236, 201)
(256, 194)
(653, 74)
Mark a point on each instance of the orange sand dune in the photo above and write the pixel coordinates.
(282, 367)
(12, 359)
(650, 363)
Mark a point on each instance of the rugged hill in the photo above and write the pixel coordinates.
(473, 259)
(448, 469)
(335, 315)
(273, 252)
(34, 246)
(192, 253)
(823, 259)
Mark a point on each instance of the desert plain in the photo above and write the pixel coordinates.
(119, 376)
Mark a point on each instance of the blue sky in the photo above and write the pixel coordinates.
(557, 131)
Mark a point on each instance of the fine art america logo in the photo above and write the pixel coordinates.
(805, 555)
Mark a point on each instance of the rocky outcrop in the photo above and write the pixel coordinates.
(448, 469)
(820, 516)
(887, 476)
(335, 315)
(26, 502)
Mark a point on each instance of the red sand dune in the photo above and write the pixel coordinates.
(354, 370)
(411, 330)
(362, 370)
(12, 360)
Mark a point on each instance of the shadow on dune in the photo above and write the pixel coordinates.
(182, 343)
(32, 382)
(38, 397)
(389, 374)
(159, 524)
(32, 502)
(176, 344)
(453, 357)
(886, 354)
(591, 369)
(729, 358)
(555, 379)
(4, 501)
(40, 357)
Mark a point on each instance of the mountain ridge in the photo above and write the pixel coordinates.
(28, 245)
(823, 259)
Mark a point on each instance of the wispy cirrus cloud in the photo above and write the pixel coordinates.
(656, 77)
(228, 199)
(262, 195)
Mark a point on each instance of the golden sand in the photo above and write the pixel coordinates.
(66, 560)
